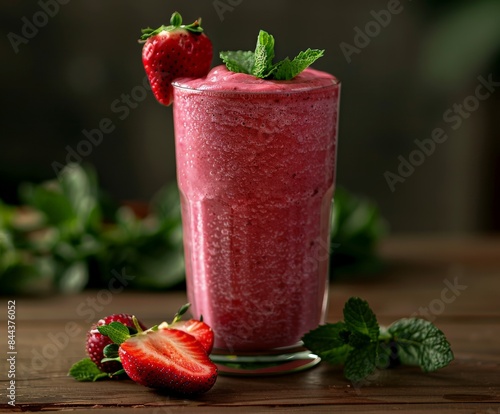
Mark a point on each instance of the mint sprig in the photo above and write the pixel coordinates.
(260, 63)
(86, 370)
(363, 346)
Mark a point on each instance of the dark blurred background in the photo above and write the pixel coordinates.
(69, 65)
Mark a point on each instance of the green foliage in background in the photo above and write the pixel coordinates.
(463, 42)
(357, 226)
(68, 236)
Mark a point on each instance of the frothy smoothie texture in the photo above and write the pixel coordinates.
(255, 167)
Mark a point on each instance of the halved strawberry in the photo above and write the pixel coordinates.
(96, 342)
(168, 359)
(172, 52)
(199, 329)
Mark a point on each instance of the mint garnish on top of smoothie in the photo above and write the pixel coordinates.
(260, 63)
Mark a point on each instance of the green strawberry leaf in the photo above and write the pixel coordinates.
(327, 342)
(360, 318)
(86, 370)
(118, 373)
(117, 359)
(111, 350)
(361, 363)
(116, 331)
(175, 23)
(421, 343)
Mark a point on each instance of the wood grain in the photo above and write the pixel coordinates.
(51, 334)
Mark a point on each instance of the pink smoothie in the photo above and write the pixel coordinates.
(255, 166)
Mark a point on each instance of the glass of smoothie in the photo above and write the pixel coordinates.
(256, 173)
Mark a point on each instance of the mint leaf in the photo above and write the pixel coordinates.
(116, 331)
(238, 61)
(264, 55)
(260, 62)
(287, 69)
(358, 340)
(327, 342)
(361, 362)
(86, 370)
(360, 318)
(421, 343)
(362, 346)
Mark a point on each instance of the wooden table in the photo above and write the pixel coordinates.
(455, 283)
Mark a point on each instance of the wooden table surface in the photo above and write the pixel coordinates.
(454, 282)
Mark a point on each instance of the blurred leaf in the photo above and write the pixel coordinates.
(80, 188)
(48, 200)
(74, 278)
(462, 43)
(6, 214)
(60, 241)
(28, 275)
(161, 272)
(357, 226)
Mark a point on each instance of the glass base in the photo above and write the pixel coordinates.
(276, 362)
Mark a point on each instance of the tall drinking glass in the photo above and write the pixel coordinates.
(256, 171)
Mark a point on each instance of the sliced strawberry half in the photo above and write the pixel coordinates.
(168, 359)
(197, 328)
(200, 330)
(174, 51)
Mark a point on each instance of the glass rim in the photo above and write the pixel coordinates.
(306, 88)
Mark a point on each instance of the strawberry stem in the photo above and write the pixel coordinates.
(117, 359)
(175, 23)
(137, 324)
(182, 310)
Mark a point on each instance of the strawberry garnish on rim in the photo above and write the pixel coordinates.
(174, 51)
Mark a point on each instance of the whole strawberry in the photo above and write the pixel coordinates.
(168, 359)
(96, 342)
(172, 52)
